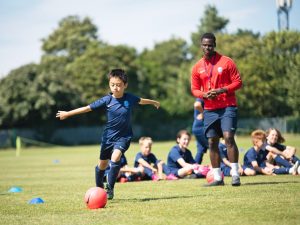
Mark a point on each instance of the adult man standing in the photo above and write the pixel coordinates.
(215, 79)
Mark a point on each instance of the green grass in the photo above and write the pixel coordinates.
(260, 199)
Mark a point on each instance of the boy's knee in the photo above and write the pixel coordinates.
(161, 162)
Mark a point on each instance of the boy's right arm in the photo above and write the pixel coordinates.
(183, 164)
(66, 114)
(146, 164)
(258, 169)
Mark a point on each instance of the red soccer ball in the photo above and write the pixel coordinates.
(210, 176)
(95, 198)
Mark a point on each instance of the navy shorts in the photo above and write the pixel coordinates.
(218, 121)
(226, 170)
(107, 148)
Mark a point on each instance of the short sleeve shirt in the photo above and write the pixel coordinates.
(118, 113)
(252, 155)
(176, 153)
(151, 159)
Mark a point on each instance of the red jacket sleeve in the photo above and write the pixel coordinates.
(196, 83)
(236, 81)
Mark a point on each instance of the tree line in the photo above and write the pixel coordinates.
(73, 69)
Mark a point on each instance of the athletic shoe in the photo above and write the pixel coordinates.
(293, 170)
(123, 180)
(191, 176)
(235, 181)
(109, 192)
(171, 177)
(155, 177)
(215, 183)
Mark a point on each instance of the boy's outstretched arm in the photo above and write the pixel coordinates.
(145, 101)
(65, 114)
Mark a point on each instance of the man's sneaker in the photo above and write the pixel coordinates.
(109, 192)
(236, 181)
(171, 177)
(294, 169)
(215, 183)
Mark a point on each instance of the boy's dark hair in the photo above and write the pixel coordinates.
(182, 132)
(118, 73)
(209, 36)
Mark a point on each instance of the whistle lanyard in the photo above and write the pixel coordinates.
(211, 71)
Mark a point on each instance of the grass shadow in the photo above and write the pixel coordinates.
(270, 183)
(160, 198)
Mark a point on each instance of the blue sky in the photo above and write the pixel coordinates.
(138, 23)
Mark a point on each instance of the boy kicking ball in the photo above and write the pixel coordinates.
(117, 134)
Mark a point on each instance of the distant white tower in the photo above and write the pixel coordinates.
(283, 8)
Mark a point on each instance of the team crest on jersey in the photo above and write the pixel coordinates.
(201, 70)
(126, 104)
(220, 69)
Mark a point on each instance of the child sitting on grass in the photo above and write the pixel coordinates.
(125, 172)
(149, 165)
(255, 159)
(225, 163)
(180, 158)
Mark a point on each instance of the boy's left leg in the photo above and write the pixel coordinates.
(100, 172)
(113, 173)
(282, 162)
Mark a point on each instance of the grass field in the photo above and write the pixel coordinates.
(62, 175)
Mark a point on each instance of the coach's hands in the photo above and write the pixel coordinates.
(214, 93)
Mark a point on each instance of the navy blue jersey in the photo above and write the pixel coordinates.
(118, 113)
(176, 153)
(252, 155)
(151, 159)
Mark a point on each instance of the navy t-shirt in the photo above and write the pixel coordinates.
(280, 147)
(176, 153)
(151, 159)
(118, 113)
(252, 155)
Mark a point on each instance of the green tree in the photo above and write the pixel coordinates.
(266, 67)
(89, 71)
(31, 96)
(71, 38)
(164, 75)
(211, 22)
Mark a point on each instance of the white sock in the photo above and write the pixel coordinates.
(294, 168)
(217, 174)
(235, 169)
